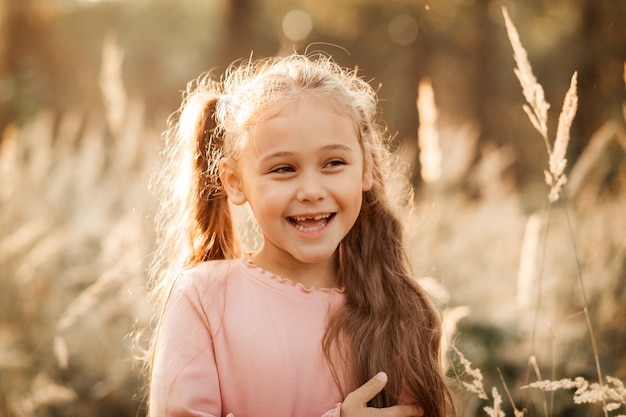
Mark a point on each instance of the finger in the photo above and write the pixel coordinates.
(369, 390)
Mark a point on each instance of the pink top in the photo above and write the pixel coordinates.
(238, 339)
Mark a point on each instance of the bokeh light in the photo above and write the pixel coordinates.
(403, 29)
(297, 25)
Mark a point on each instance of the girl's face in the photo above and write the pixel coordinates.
(303, 172)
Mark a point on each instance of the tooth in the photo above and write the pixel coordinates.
(311, 228)
(318, 217)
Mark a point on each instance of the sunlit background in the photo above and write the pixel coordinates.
(86, 87)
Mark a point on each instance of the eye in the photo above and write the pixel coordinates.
(335, 163)
(282, 169)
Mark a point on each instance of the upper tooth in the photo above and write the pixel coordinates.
(318, 217)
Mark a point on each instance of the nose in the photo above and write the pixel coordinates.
(310, 188)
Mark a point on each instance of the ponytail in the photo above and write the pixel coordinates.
(211, 234)
(194, 222)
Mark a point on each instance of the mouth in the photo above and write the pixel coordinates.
(311, 224)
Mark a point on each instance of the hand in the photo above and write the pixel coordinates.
(355, 404)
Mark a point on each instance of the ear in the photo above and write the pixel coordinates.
(232, 182)
(368, 176)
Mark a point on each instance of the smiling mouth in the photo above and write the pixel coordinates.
(311, 224)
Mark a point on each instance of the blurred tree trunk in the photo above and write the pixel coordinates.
(245, 35)
(19, 33)
(12, 23)
(4, 41)
(239, 31)
(600, 62)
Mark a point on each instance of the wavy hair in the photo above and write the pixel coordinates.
(388, 321)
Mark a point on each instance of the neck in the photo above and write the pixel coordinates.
(321, 274)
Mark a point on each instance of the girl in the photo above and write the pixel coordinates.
(323, 318)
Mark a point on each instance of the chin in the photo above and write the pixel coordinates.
(313, 259)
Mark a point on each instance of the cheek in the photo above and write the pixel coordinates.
(351, 197)
(264, 200)
(267, 215)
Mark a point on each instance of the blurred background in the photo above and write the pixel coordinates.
(86, 87)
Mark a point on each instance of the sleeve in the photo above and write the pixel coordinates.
(184, 379)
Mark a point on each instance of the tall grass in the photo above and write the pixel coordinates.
(607, 391)
(76, 238)
(76, 235)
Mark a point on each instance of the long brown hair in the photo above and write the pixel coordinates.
(388, 322)
(194, 223)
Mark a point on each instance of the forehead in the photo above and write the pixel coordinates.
(307, 120)
(328, 100)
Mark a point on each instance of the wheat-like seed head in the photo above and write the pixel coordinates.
(537, 111)
(496, 410)
(476, 386)
(537, 108)
(558, 162)
(570, 105)
(612, 395)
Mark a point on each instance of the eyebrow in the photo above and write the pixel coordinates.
(332, 147)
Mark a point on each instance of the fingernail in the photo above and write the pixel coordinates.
(381, 376)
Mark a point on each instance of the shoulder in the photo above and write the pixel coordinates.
(202, 288)
(208, 277)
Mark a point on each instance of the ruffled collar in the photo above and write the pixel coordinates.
(281, 281)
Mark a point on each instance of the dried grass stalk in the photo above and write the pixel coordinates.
(476, 386)
(528, 272)
(451, 317)
(111, 84)
(496, 409)
(613, 394)
(532, 90)
(556, 177)
(46, 392)
(624, 102)
(427, 133)
(8, 161)
(592, 157)
(537, 111)
(516, 412)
